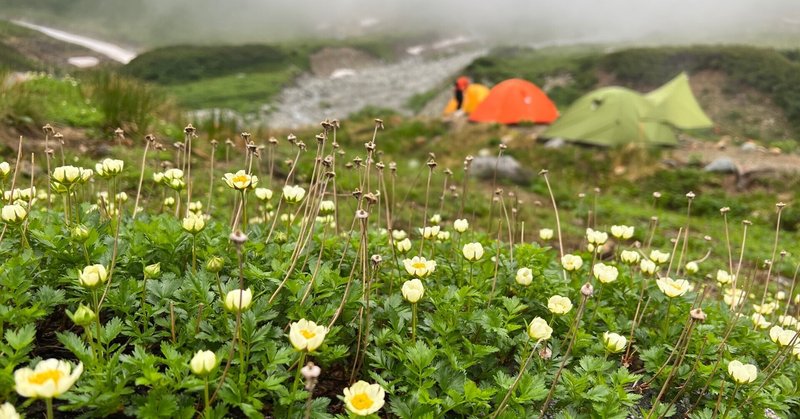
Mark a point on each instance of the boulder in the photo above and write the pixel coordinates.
(507, 167)
(555, 143)
(722, 165)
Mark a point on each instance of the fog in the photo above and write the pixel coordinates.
(160, 22)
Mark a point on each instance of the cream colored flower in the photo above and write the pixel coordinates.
(461, 225)
(524, 276)
(546, 233)
(5, 169)
(435, 219)
(50, 378)
(733, 297)
(781, 336)
(193, 223)
(413, 290)
(264, 194)
(539, 329)
(648, 267)
(659, 257)
(766, 308)
(109, 167)
(672, 287)
(419, 266)
(238, 298)
(692, 267)
(571, 262)
(169, 201)
(614, 342)
(605, 273)
(240, 180)
(429, 232)
(760, 321)
(13, 214)
(399, 234)
(327, 207)
(622, 232)
(559, 305)
(788, 321)
(723, 277)
(171, 174)
(742, 373)
(7, 410)
(92, 275)
(595, 237)
(363, 399)
(203, 363)
(306, 335)
(67, 175)
(403, 246)
(293, 194)
(443, 236)
(158, 177)
(472, 251)
(630, 257)
(780, 295)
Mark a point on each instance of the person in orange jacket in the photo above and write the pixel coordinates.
(460, 86)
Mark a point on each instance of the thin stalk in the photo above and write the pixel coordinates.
(573, 336)
(513, 387)
(141, 178)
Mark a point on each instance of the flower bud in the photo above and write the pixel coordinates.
(152, 271)
(83, 316)
(203, 363)
(614, 342)
(524, 276)
(215, 264)
(546, 233)
(539, 329)
(79, 233)
(92, 275)
(413, 290)
(237, 299)
(13, 214)
(461, 225)
(587, 290)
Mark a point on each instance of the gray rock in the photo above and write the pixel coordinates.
(722, 165)
(507, 167)
(555, 143)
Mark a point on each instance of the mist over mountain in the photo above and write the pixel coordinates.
(147, 23)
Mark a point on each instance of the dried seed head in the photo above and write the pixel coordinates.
(238, 237)
(59, 137)
(393, 166)
(502, 146)
(654, 219)
(335, 145)
(707, 238)
(370, 146)
(348, 165)
(747, 222)
(596, 190)
(327, 161)
(214, 143)
(330, 174)
(119, 133)
(581, 195)
(376, 259)
(724, 210)
(48, 129)
(587, 290)
(340, 152)
(543, 172)
(179, 146)
(49, 151)
(431, 163)
(698, 314)
(326, 125)
(780, 205)
(357, 193)
(784, 253)
(498, 191)
(448, 172)
(357, 160)
(301, 145)
(335, 123)
(150, 138)
(291, 138)
(229, 142)
(361, 214)
(310, 371)
(690, 195)
(161, 147)
(656, 194)
(252, 147)
(380, 166)
(245, 136)
(371, 198)
(320, 138)
(272, 141)
(379, 123)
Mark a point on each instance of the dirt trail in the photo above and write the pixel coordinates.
(387, 86)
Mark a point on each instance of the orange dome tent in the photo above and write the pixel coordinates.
(514, 101)
(474, 94)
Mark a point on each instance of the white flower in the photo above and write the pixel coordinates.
(413, 290)
(399, 234)
(622, 232)
(429, 232)
(13, 214)
(327, 207)
(443, 236)
(436, 219)
(92, 275)
(788, 321)
(524, 276)
(158, 177)
(172, 174)
(419, 266)
(67, 175)
(363, 399)
(742, 373)
(193, 223)
(672, 287)
(614, 342)
(723, 277)
(203, 363)
(571, 262)
(692, 267)
(50, 378)
(539, 329)
(109, 167)
(765, 309)
(558, 304)
(472, 251)
(781, 336)
(596, 237)
(123, 197)
(760, 321)
(403, 246)
(5, 169)
(169, 201)
(306, 335)
(264, 194)
(659, 257)
(240, 180)
(238, 298)
(605, 273)
(733, 297)
(546, 233)
(7, 410)
(648, 267)
(630, 257)
(461, 225)
(293, 194)
(780, 295)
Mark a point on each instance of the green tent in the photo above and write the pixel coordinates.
(675, 104)
(611, 116)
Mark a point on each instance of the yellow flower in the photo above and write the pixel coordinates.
(524, 276)
(238, 298)
(723, 277)
(13, 214)
(169, 201)
(631, 257)
(539, 329)
(472, 251)
(742, 373)
(109, 167)
(7, 410)
(672, 287)
(92, 275)
(419, 266)
(571, 262)
(546, 233)
(614, 342)
(67, 175)
(203, 363)
(413, 290)
(50, 378)
(559, 305)
(781, 336)
(595, 237)
(659, 257)
(605, 273)
(293, 194)
(692, 267)
(443, 236)
(362, 398)
(461, 225)
(306, 335)
(429, 232)
(648, 267)
(240, 180)
(193, 223)
(622, 232)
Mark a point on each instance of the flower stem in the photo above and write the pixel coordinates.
(300, 362)
(414, 322)
(49, 403)
(513, 387)
(666, 317)
(206, 405)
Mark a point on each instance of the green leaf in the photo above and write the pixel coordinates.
(21, 338)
